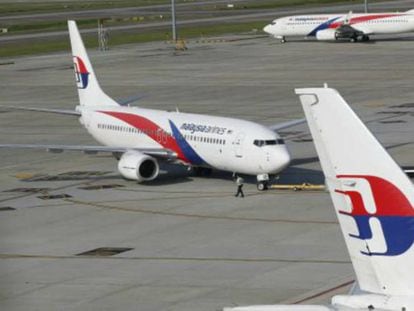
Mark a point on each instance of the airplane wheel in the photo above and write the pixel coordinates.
(353, 40)
(261, 186)
(283, 40)
(365, 38)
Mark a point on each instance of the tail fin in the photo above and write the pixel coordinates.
(372, 196)
(90, 93)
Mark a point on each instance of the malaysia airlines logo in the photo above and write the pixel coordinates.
(376, 199)
(81, 73)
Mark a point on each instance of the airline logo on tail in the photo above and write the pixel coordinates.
(382, 200)
(81, 73)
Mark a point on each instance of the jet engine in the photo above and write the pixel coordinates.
(326, 35)
(138, 166)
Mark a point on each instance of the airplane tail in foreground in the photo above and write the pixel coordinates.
(373, 199)
(90, 93)
(372, 196)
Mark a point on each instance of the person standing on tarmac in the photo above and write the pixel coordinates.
(239, 183)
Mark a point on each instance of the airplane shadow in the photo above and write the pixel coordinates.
(304, 161)
(298, 175)
(170, 174)
(373, 40)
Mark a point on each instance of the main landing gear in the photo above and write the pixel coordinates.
(364, 38)
(202, 171)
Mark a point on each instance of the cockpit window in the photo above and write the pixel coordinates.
(274, 22)
(261, 143)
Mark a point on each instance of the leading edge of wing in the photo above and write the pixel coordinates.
(284, 125)
(57, 111)
(156, 152)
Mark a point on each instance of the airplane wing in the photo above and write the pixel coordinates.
(155, 152)
(364, 29)
(284, 125)
(125, 102)
(57, 111)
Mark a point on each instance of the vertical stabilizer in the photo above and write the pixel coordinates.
(90, 93)
(372, 196)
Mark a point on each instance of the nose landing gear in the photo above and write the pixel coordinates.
(262, 186)
(281, 38)
(262, 182)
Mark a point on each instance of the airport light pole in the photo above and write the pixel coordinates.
(366, 6)
(174, 26)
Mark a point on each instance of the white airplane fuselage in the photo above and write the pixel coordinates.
(197, 140)
(367, 23)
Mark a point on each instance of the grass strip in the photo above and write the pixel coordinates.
(49, 26)
(256, 5)
(29, 7)
(118, 38)
(7, 8)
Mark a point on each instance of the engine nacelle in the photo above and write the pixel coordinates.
(138, 166)
(326, 35)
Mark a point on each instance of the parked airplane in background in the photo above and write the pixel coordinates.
(374, 202)
(142, 137)
(331, 27)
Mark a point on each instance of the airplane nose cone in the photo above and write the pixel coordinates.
(283, 159)
(267, 29)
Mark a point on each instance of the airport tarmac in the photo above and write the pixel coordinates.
(184, 242)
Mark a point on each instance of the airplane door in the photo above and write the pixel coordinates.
(238, 145)
(161, 136)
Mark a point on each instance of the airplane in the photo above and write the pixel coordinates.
(333, 27)
(140, 138)
(374, 202)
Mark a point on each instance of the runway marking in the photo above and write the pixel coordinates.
(223, 194)
(164, 213)
(49, 190)
(138, 210)
(150, 258)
